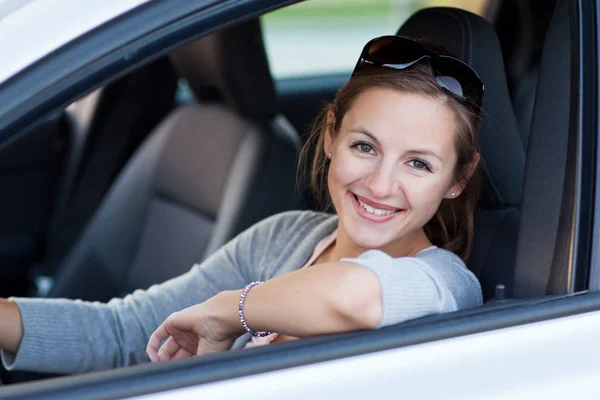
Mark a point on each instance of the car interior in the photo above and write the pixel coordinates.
(149, 174)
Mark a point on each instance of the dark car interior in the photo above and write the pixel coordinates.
(151, 173)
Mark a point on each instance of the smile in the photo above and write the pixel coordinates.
(376, 211)
(373, 212)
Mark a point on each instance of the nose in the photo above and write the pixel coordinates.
(381, 181)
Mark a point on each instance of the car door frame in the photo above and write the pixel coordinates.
(590, 38)
(111, 51)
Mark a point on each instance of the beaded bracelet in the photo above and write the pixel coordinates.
(241, 311)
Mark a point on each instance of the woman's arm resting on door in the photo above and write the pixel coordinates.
(327, 298)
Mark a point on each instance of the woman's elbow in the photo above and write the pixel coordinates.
(359, 302)
(361, 311)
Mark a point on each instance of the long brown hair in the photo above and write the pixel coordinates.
(452, 226)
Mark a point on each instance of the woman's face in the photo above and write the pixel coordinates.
(393, 161)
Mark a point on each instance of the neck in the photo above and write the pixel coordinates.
(344, 246)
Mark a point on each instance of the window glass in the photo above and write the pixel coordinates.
(326, 36)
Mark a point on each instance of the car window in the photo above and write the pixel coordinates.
(328, 34)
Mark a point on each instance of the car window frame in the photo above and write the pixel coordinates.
(587, 144)
(573, 250)
(112, 50)
(589, 35)
(117, 60)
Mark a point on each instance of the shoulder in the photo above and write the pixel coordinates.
(452, 270)
(438, 256)
(444, 269)
(297, 218)
(430, 282)
(284, 241)
(294, 223)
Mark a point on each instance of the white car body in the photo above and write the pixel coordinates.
(513, 363)
(47, 25)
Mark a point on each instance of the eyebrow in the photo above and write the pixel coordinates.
(360, 129)
(426, 153)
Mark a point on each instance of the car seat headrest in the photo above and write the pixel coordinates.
(472, 39)
(230, 66)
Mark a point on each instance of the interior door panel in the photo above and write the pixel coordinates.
(30, 168)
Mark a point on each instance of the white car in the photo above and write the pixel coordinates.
(90, 209)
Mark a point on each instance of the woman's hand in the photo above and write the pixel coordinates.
(205, 328)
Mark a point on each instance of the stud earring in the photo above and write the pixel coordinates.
(329, 154)
(452, 194)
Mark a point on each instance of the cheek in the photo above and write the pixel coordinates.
(427, 195)
(345, 170)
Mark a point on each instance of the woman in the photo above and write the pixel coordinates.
(398, 148)
(395, 153)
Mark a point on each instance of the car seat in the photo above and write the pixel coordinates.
(473, 39)
(208, 171)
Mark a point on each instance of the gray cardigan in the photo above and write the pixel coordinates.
(72, 336)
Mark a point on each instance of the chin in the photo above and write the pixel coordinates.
(369, 244)
(368, 240)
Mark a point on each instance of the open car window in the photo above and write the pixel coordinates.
(328, 35)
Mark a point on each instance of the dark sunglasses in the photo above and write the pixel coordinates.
(399, 53)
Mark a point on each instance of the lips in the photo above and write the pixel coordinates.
(374, 214)
(375, 205)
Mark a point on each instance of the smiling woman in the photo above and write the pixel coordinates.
(394, 154)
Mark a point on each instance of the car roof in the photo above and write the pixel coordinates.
(10, 6)
(31, 29)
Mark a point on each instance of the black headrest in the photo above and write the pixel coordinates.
(231, 66)
(472, 39)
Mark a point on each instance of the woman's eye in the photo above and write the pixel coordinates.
(419, 165)
(364, 148)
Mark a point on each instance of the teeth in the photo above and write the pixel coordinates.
(372, 210)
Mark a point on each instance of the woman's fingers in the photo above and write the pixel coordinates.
(168, 350)
(156, 339)
(185, 339)
(182, 353)
(184, 334)
(180, 342)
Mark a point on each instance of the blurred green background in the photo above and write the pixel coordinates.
(306, 11)
(326, 36)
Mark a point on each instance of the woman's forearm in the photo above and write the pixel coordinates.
(325, 298)
(11, 328)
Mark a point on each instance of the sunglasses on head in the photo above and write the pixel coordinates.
(399, 53)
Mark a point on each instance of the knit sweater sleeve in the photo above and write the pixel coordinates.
(71, 336)
(413, 287)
